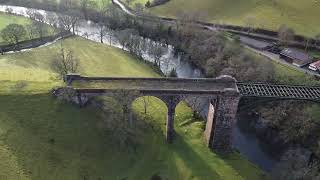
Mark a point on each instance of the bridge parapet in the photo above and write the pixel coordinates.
(154, 85)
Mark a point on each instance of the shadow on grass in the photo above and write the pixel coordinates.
(48, 137)
(198, 168)
(62, 141)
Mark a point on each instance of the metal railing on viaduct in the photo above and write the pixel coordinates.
(294, 92)
(223, 95)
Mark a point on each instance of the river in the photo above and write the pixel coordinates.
(245, 141)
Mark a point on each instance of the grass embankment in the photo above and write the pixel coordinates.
(6, 19)
(33, 67)
(297, 14)
(41, 138)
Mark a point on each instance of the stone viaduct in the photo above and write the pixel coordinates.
(222, 94)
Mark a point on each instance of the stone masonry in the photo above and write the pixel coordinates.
(222, 92)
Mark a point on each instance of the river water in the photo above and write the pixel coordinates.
(245, 141)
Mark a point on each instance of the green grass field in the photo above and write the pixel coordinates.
(6, 19)
(298, 14)
(33, 67)
(30, 118)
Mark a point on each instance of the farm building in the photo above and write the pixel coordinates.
(315, 66)
(296, 57)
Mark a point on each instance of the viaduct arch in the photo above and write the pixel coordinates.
(223, 95)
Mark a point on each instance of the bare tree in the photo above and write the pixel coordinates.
(8, 10)
(65, 22)
(71, 21)
(39, 17)
(110, 33)
(306, 43)
(103, 30)
(146, 101)
(101, 18)
(52, 19)
(31, 13)
(124, 37)
(135, 44)
(156, 51)
(65, 62)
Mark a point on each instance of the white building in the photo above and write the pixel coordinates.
(315, 66)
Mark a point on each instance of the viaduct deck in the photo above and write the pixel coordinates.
(202, 86)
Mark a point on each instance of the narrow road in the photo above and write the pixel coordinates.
(277, 59)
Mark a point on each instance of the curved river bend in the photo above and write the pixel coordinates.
(244, 141)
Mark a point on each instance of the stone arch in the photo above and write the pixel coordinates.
(145, 99)
(170, 104)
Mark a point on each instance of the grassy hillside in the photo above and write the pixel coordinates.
(298, 14)
(41, 138)
(33, 67)
(6, 19)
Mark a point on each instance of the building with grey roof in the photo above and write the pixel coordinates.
(296, 57)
